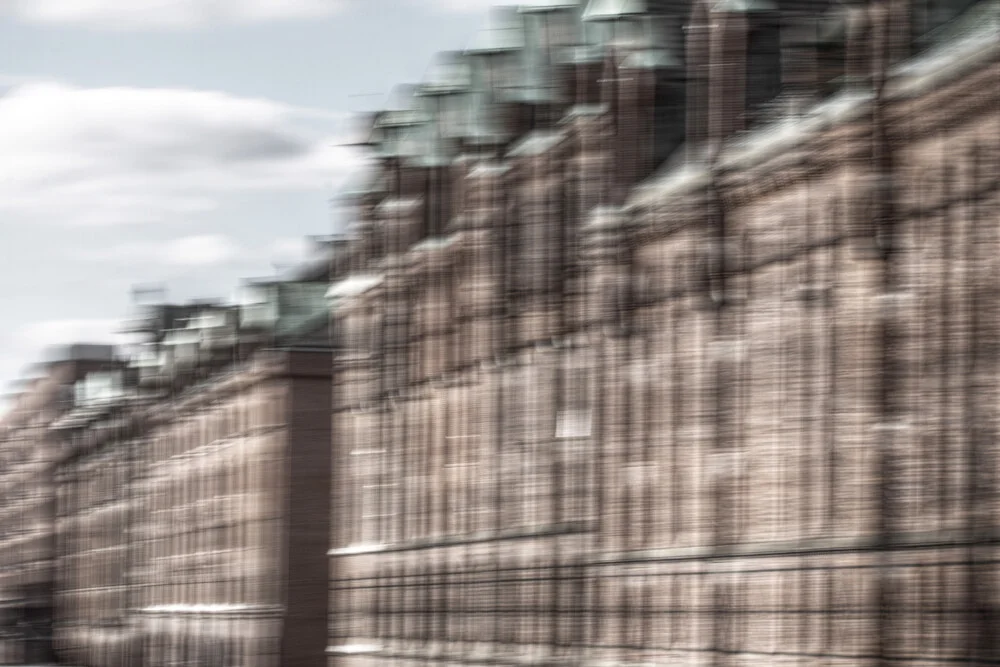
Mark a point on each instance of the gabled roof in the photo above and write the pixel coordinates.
(402, 110)
(99, 352)
(502, 32)
(362, 130)
(530, 6)
(744, 6)
(450, 73)
(613, 10)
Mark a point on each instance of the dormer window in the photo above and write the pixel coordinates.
(98, 388)
(496, 50)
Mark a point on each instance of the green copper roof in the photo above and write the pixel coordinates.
(536, 80)
(402, 110)
(432, 140)
(503, 32)
(362, 131)
(399, 118)
(449, 74)
(488, 67)
(365, 182)
(530, 6)
(482, 120)
(613, 10)
(744, 6)
(401, 140)
(401, 97)
(655, 46)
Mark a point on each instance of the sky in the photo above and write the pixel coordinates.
(188, 143)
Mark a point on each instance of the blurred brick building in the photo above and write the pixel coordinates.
(194, 488)
(666, 334)
(96, 509)
(670, 338)
(29, 457)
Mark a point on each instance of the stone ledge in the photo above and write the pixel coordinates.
(815, 547)
(554, 530)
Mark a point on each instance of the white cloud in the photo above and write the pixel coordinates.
(11, 80)
(463, 6)
(189, 251)
(164, 14)
(124, 15)
(132, 155)
(201, 250)
(30, 341)
(290, 250)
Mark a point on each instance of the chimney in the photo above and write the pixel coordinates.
(727, 83)
(800, 63)
(734, 60)
(698, 62)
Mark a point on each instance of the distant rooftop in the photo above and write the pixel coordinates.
(80, 352)
(501, 33)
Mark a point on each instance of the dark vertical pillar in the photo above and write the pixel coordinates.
(309, 399)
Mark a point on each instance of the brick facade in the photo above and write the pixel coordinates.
(29, 459)
(195, 524)
(640, 355)
(736, 412)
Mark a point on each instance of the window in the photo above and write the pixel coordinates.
(575, 415)
(574, 432)
(374, 501)
(377, 508)
(463, 451)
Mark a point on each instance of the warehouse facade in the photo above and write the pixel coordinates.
(675, 346)
(194, 488)
(666, 335)
(29, 456)
(95, 510)
(236, 497)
